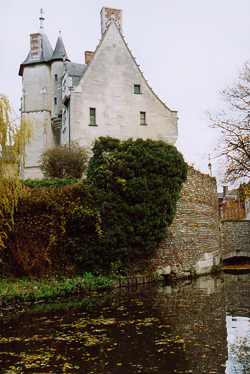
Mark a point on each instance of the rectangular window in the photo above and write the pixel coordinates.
(137, 89)
(92, 118)
(55, 100)
(143, 118)
(56, 78)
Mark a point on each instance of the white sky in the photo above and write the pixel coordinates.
(188, 50)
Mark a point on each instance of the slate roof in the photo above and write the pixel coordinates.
(75, 71)
(59, 51)
(231, 194)
(46, 54)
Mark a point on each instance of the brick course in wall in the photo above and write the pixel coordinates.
(193, 243)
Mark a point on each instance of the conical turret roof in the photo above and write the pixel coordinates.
(60, 51)
(46, 50)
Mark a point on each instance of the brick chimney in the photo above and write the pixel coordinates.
(225, 191)
(107, 14)
(88, 55)
(35, 46)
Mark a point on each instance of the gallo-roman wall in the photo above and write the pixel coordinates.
(193, 243)
(235, 239)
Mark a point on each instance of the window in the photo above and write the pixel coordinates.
(143, 118)
(137, 88)
(56, 77)
(55, 100)
(92, 119)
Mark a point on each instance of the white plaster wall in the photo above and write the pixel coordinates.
(108, 85)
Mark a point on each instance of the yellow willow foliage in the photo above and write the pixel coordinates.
(14, 133)
(231, 210)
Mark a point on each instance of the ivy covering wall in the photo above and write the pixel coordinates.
(114, 217)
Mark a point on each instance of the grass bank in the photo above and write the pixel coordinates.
(33, 289)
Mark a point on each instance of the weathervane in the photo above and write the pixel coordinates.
(41, 18)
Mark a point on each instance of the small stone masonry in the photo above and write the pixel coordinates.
(193, 243)
(235, 239)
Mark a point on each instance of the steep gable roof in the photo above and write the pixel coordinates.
(113, 23)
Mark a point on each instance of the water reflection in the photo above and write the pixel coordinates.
(238, 337)
(199, 327)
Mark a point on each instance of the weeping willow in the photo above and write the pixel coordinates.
(14, 134)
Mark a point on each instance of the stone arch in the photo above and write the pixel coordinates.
(232, 254)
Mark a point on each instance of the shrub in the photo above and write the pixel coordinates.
(64, 161)
(37, 242)
(136, 185)
(106, 223)
(55, 182)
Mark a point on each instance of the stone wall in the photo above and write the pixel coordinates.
(193, 243)
(235, 239)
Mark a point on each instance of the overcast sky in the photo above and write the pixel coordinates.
(188, 50)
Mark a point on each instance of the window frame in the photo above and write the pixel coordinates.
(135, 87)
(92, 117)
(143, 117)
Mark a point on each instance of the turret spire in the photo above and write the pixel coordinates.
(60, 51)
(41, 20)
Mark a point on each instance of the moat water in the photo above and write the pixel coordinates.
(200, 326)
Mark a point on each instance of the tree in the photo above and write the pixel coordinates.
(231, 210)
(64, 161)
(14, 133)
(234, 125)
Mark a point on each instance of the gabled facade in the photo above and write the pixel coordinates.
(108, 95)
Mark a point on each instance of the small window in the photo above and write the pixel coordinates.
(56, 77)
(55, 100)
(92, 118)
(137, 88)
(143, 118)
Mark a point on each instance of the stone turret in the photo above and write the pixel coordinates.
(36, 98)
(57, 70)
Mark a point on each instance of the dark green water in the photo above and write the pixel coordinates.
(193, 327)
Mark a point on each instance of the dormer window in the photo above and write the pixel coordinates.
(137, 88)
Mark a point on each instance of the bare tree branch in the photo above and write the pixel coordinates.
(234, 126)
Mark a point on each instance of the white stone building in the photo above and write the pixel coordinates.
(108, 95)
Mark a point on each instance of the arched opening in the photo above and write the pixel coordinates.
(236, 260)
